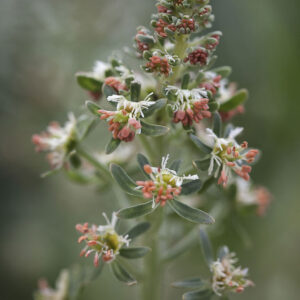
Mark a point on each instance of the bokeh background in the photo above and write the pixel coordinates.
(44, 42)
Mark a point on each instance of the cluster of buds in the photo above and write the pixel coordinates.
(228, 155)
(124, 122)
(227, 277)
(198, 56)
(57, 141)
(159, 65)
(212, 46)
(143, 40)
(190, 105)
(164, 184)
(212, 82)
(205, 17)
(249, 195)
(116, 84)
(103, 241)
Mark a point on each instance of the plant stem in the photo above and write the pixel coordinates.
(153, 281)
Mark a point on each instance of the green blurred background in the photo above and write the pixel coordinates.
(44, 42)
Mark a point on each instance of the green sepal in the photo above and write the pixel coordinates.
(87, 82)
(190, 213)
(158, 105)
(136, 210)
(125, 182)
(153, 130)
(189, 283)
(122, 274)
(135, 91)
(239, 98)
(137, 230)
(112, 145)
(206, 247)
(92, 107)
(203, 147)
(191, 187)
(134, 252)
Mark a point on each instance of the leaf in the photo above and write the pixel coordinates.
(121, 273)
(108, 91)
(158, 105)
(92, 107)
(206, 247)
(175, 165)
(87, 82)
(224, 71)
(228, 129)
(217, 124)
(213, 106)
(85, 126)
(142, 161)
(138, 230)
(239, 98)
(136, 210)
(153, 130)
(203, 147)
(202, 164)
(191, 187)
(148, 39)
(122, 178)
(77, 177)
(135, 90)
(185, 81)
(189, 283)
(222, 252)
(134, 252)
(112, 145)
(198, 295)
(189, 213)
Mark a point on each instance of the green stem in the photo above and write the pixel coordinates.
(153, 281)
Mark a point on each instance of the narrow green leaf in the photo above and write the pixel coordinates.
(224, 71)
(189, 213)
(86, 125)
(239, 98)
(157, 105)
(191, 187)
(206, 247)
(108, 90)
(112, 145)
(135, 91)
(148, 39)
(153, 130)
(121, 273)
(92, 107)
(136, 211)
(202, 164)
(217, 124)
(189, 283)
(175, 165)
(185, 81)
(134, 252)
(87, 82)
(213, 106)
(142, 161)
(203, 147)
(122, 178)
(138, 230)
(198, 295)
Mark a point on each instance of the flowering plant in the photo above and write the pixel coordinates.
(178, 106)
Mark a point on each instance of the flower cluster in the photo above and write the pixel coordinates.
(249, 195)
(212, 82)
(103, 241)
(57, 141)
(228, 155)
(190, 105)
(159, 65)
(124, 122)
(164, 184)
(227, 277)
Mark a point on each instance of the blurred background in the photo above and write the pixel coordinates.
(44, 42)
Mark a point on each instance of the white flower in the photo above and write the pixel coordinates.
(99, 70)
(186, 98)
(228, 277)
(134, 109)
